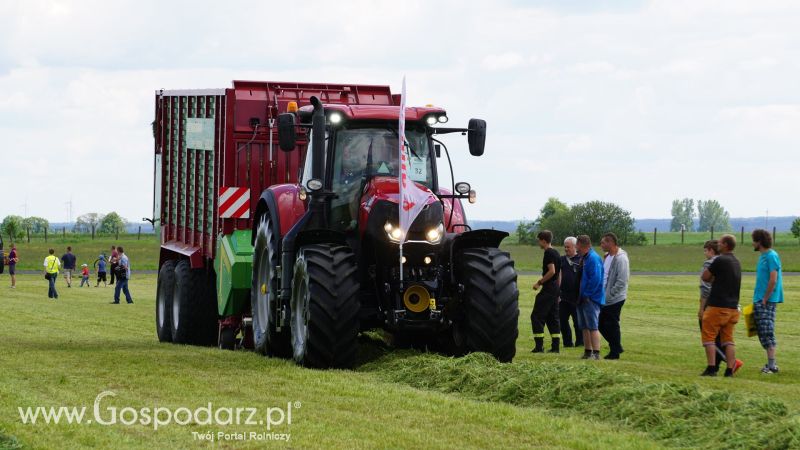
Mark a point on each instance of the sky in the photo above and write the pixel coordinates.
(632, 102)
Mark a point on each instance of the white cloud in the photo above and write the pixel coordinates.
(653, 92)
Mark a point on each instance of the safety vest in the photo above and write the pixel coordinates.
(52, 264)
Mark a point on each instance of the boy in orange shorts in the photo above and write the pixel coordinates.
(722, 308)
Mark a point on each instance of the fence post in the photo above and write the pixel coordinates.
(774, 235)
(742, 238)
(64, 232)
(92, 231)
(682, 231)
(712, 232)
(28, 233)
(139, 235)
(117, 232)
(655, 232)
(45, 234)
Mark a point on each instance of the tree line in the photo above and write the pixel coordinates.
(710, 216)
(16, 227)
(593, 218)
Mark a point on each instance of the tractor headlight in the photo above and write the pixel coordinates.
(392, 232)
(431, 120)
(434, 235)
(335, 118)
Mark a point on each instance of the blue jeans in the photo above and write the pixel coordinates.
(51, 293)
(123, 286)
(588, 313)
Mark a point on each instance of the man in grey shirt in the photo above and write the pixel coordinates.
(615, 284)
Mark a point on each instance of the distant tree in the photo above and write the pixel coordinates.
(87, 222)
(112, 222)
(682, 214)
(13, 227)
(596, 218)
(561, 224)
(551, 207)
(36, 224)
(526, 233)
(711, 214)
(796, 228)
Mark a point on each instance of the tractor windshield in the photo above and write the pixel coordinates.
(363, 153)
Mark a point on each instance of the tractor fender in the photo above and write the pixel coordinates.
(470, 239)
(284, 206)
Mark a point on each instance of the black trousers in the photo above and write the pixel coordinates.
(608, 324)
(113, 267)
(545, 312)
(565, 311)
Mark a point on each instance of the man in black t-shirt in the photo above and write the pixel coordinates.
(721, 313)
(545, 307)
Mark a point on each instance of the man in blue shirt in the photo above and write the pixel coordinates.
(767, 294)
(591, 299)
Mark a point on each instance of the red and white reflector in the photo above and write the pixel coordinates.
(234, 203)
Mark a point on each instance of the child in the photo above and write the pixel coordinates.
(711, 251)
(85, 275)
(100, 263)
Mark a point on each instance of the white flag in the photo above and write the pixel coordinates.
(412, 198)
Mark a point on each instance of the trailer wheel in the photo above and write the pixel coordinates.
(325, 307)
(207, 326)
(264, 295)
(491, 308)
(164, 291)
(187, 301)
(227, 338)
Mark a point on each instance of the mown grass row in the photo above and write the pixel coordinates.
(679, 414)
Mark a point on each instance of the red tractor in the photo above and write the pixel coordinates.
(336, 271)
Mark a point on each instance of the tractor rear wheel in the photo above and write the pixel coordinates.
(491, 302)
(207, 326)
(264, 298)
(187, 303)
(325, 307)
(164, 291)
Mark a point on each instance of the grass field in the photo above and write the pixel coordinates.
(65, 353)
(142, 253)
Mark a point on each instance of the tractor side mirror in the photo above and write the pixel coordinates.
(287, 136)
(476, 137)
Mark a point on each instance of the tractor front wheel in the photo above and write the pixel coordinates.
(490, 302)
(325, 307)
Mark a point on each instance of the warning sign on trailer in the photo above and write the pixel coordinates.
(234, 203)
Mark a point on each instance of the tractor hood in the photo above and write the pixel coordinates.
(379, 204)
(388, 188)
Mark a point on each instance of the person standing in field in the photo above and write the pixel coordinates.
(616, 273)
(85, 275)
(13, 258)
(100, 264)
(722, 308)
(545, 307)
(711, 251)
(591, 298)
(569, 284)
(51, 266)
(68, 260)
(767, 294)
(123, 275)
(113, 262)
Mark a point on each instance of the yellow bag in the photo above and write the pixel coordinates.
(749, 320)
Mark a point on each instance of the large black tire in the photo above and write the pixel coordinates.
(325, 307)
(187, 303)
(164, 291)
(207, 331)
(264, 296)
(491, 302)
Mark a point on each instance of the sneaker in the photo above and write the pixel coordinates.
(737, 365)
(611, 356)
(596, 356)
(586, 355)
(709, 372)
(537, 350)
(767, 370)
(728, 372)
